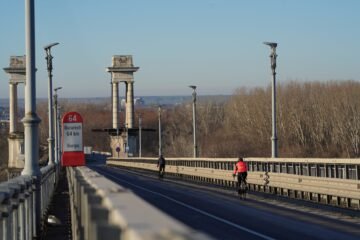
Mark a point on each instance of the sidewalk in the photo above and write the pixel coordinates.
(60, 208)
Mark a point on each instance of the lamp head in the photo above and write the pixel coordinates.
(47, 47)
(192, 86)
(271, 44)
(58, 88)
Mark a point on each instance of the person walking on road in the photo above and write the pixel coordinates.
(161, 165)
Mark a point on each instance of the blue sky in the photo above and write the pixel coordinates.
(214, 44)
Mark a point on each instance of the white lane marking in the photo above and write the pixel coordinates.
(194, 209)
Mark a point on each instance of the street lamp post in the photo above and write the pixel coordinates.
(56, 124)
(272, 45)
(31, 120)
(49, 58)
(140, 135)
(194, 119)
(160, 140)
(127, 148)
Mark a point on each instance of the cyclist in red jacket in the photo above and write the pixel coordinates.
(241, 171)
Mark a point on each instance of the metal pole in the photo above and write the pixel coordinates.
(274, 150)
(140, 135)
(194, 120)
(49, 58)
(31, 120)
(160, 144)
(56, 125)
(59, 146)
(127, 149)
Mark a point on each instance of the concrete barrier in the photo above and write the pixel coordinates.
(335, 191)
(102, 209)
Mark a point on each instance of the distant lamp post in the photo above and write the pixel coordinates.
(160, 143)
(56, 125)
(194, 119)
(140, 121)
(127, 139)
(49, 58)
(272, 45)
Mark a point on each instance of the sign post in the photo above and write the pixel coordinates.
(73, 152)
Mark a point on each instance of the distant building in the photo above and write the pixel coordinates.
(4, 113)
(139, 101)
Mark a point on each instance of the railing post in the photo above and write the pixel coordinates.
(6, 217)
(27, 213)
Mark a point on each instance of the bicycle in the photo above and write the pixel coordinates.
(242, 187)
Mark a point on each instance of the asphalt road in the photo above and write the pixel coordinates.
(224, 216)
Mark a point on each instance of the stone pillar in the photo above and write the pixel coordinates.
(17, 72)
(115, 103)
(13, 108)
(130, 105)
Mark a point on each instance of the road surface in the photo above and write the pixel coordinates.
(225, 216)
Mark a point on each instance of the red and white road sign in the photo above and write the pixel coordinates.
(72, 140)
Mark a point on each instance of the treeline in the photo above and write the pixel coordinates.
(314, 119)
(99, 116)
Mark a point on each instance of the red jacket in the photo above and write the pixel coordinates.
(240, 167)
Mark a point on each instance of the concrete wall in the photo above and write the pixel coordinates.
(328, 190)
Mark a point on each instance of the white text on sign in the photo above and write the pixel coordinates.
(72, 118)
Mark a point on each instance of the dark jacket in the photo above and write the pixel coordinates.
(161, 161)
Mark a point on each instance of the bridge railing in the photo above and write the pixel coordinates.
(19, 204)
(328, 181)
(102, 209)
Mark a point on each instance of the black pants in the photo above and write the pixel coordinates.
(161, 170)
(241, 177)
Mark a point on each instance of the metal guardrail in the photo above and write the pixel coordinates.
(20, 207)
(306, 179)
(102, 209)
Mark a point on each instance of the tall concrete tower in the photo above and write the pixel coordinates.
(17, 72)
(123, 142)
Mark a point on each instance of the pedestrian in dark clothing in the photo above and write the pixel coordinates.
(161, 165)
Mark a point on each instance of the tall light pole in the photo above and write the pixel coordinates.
(140, 135)
(127, 148)
(194, 119)
(31, 120)
(56, 124)
(49, 58)
(272, 45)
(160, 143)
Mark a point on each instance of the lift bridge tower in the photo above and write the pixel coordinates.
(123, 137)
